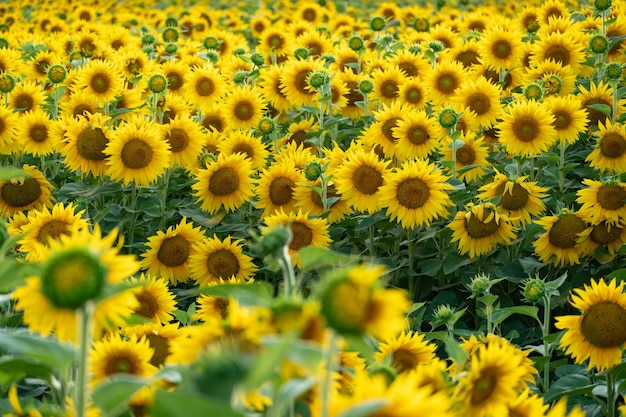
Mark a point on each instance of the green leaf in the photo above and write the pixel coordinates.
(112, 395)
(291, 390)
(46, 350)
(254, 293)
(8, 173)
(265, 364)
(455, 351)
(361, 345)
(13, 369)
(180, 404)
(364, 409)
(503, 313)
(602, 108)
(454, 261)
(13, 273)
(569, 385)
(316, 257)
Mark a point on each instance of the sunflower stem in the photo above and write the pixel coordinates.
(614, 84)
(547, 350)
(166, 181)
(133, 216)
(84, 319)
(289, 277)
(610, 394)
(411, 276)
(330, 367)
(561, 166)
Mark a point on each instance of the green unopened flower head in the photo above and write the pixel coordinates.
(266, 126)
(480, 284)
(239, 51)
(148, 39)
(366, 86)
(313, 170)
(170, 34)
(272, 241)
(212, 56)
(171, 48)
(207, 158)
(218, 372)
(448, 118)
(415, 49)
(602, 5)
(443, 315)
(533, 289)
(318, 78)
(257, 59)
(388, 373)
(533, 91)
(4, 44)
(211, 42)
(147, 49)
(57, 73)
(240, 77)
(301, 53)
(377, 23)
(599, 44)
(328, 59)
(421, 24)
(157, 83)
(171, 22)
(613, 70)
(356, 43)
(436, 46)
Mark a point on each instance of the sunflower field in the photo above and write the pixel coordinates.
(313, 208)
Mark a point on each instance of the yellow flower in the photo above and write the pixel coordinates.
(22, 194)
(102, 79)
(406, 351)
(527, 128)
(216, 259)
(275, 188)
(562, 243)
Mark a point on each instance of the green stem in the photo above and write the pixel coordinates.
(133, 217)
(614, 85)
(289, 277)
(324, 185)
(610, 395)
(412, 282)
(547, 351)
(166, 181)
(488, 312)
(561, 166)
(326, 388)
(84, 318)
(370, 230)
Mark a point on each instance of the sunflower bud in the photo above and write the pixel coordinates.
(211, 42)
(443, 315)
(613, 70)
(57, 73)
(257, 59)
(480, 285)
(157, 83)
(377, 23)
(448, 118)
(599, 44)
(533, 289)
(212, 56)
(171, 22)
(421, 24)
(148, 39)
(388, 373)
(240, 77)
(602, 5)
(436, 46)
(301, 54)
(533, 91)
(552, 83)
(313, 170)
(170, 34)
(147, 49)
(273, 241)
(318, 78)
(171, 48)
(328, 59)
(239, 51)
(207, 158)
(217, 375)
(366, 86)
(415, 49)
(266, 126)
(356, 43)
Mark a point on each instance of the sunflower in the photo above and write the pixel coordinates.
(481, 98)
(305, 231)
(37, 66)
(33, 133)
(387, 84)
(353, 108)
(606, 236)
(517, 198)
(243, 107)
(154, 300)
(500, 48)
(480, 228)
(406, 351)
(185, 138)
(527, 128)
(562, 48)
(600, 94)
(213, 119)
(203, 85)
(102, 79)
(445, 78)
(136, 152)
(270, 86)
(159, 336)
(276, 186)
(412, 94)
(193, 342)
(563, 239)
(8, 128)
(209, 307)
(609, 152)
(602, 201)
(570, 119)
(415, 194)
(557, 80)
(26, 96)
(78, 103)
(597, 334)
(470, 158)
(115, 355)
(293, 81)
(316, 42)
(85, 140)
(416, 135)
(506, 80)
(175, 72)
(244, 142)
(413, 66)
(21, 194)
(308, 199)
(380, 134)
(216, 259)
(359, 180)
(298, 133)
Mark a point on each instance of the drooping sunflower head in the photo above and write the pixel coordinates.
(563, 240)
(609, 153)
(23, 193)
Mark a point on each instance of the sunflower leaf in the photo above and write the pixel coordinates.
(266, 364)
(7, 173)
(13, 369)
(112, 395)
(365, 408)
(14, 273)
(46, 350)
(573, 384)
(254, 293)
(315, 257)
(602, 108)
(180, 404)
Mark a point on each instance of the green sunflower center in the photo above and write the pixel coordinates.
(558, 53)
(604, 325)
(389, 89)
(222, 263)
(21, 194)
(611, 197)
(484, 386)
(244, 110)
(447, 83)
(404, 360)
(604, 234)
(477, 228)
(161, 347)
(281, 190)
(148, 305)
(526, 129)
(515, 199)
(136, 154)
(418, 135)
(501, 49)
(224, 181)
(205, 86)
(178, 140)
(91, 143)
(465, 155)
(479, 103)
(612, 145)
(413, 95)
(301, 236)
(173, 251)
(52, 230)
(413, 193)
(275, 41)
(100, 83)
(367, 180)
(564, 232)
(387, 127)
(38, 133)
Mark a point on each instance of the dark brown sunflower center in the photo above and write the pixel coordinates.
(275, 41)
(367, 180)
(403, 360)
(38, 133)
(83, 109)
(205, 86)
(447, 83)
(501, 49)
(244, 149)
(281, 190)
(604, 325)
(611, 197)
(479, 103)
(465, 155)
(413, 193)
(409, 68)
(221, 306)
(389, 89)
(213, 123)
(24, 102)
(173, 251)
(224, 181)
(612, 145)
(52, 231)
(223, 264)
(526, 129)
(558, 53)
(302, 236)
(21, 194)
(136, 154)
(387, 127)
(467, 58)
(300, 81)
(174, 81)
(484, 386)
(161, 347)
(562, 120)
(100, 83)
(514, 198)
(148, 305)
(91, 143)
(595, 115)
(244, 110)
(477, 228)
(604, 234)
(178, 139)
(418, 135)
(354, 96)
(413, 95)
(564, 232)
(120, 365)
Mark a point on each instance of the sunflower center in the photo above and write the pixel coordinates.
(281, 190)
(465, 155)
(515, 198)
(91, 143)
(477, 228)
(501, 49)
(21, 194)
(221, 306)
(409, 68)
(161, 347)
(300, 81)
(446, 84)
(38, 133)
(604, 234)
(52, 230)
(178, 139)
(148, 305)
(82, 110)
(558, 53)
(367, 180)
(595, 115)
(302, 236)
(213, 123)
(604, 325)
(525, 129)
(413, 95)
(564, 232)
(224, 181)
(275, 41)
(484, 386)
(100, 83)
(24, 102)
(136, 154)
(562, 120)
(389, 89)
(347, 317)
(120, 365)
(467, 58)
(418, 135)
(223, 264)
(205, 86)
(413, 193)
(244, 110)
(404, 360)
(174, 81)
(612, 145)
(173, 251)
(479, 103)
(387, 128)
(611, 197)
